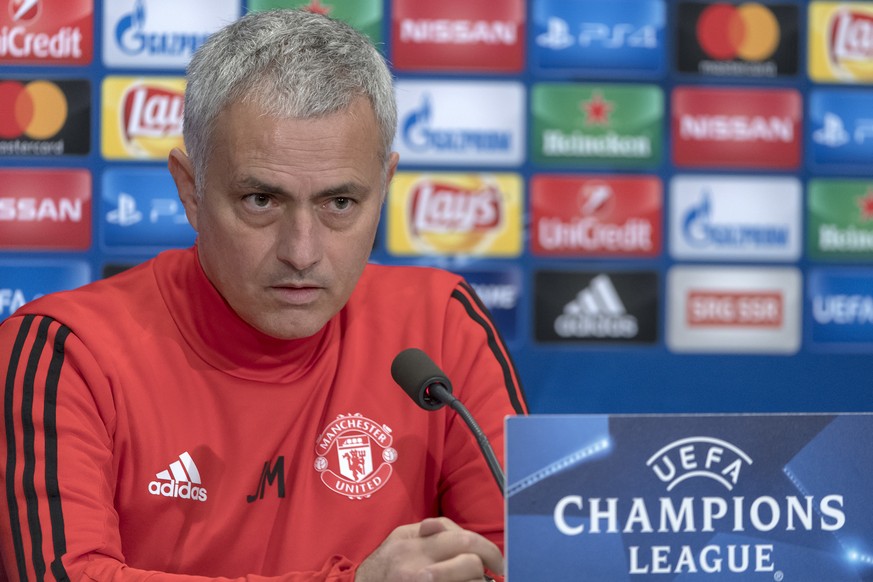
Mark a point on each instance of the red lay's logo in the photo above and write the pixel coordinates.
(437, 207)
(851, 37)
(142, 117)
(736, 128)
(446, 213)
(152, 112)
(47, 32)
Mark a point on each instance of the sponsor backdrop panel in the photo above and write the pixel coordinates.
(666, 204)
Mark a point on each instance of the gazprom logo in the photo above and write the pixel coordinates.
(456, 122)
(700, 230)
(160, 33)
(133, 38)
(420, 136)
(742, 218)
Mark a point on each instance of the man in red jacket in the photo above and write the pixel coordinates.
(227, 411)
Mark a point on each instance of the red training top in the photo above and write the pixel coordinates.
(151, 433)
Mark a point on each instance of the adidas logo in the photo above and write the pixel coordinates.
(181, 480)
(597, 311)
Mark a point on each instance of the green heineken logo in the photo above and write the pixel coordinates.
(365, 15)
(840, 219)
(602, 125)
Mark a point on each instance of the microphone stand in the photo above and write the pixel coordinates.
(439, 392)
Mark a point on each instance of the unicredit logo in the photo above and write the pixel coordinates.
(55, 33)
(19, 42)
(24, 11)
(39, 109)
(749, 31)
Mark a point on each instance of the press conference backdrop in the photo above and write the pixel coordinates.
(667, 205)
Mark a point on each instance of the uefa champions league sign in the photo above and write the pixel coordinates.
(781, 497)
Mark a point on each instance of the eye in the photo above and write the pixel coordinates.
(258, 201)
(341, 203)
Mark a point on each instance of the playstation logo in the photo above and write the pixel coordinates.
(557, 35)
(126, 214)
(832, 133)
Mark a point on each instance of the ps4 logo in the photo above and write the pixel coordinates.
(611, 36)
(833, 132)
(127, 213)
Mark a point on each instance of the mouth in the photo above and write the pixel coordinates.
(297, 294)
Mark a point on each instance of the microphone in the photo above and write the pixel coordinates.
(429, 388)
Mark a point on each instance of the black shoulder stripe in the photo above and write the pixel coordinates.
(59, 540)
(29, 448)
(495, 342)
(11, 457)
(30, 384)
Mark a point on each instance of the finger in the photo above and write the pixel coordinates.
(434, 525)
(467, 567)
(446, 545)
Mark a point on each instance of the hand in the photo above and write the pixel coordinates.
(435, 550)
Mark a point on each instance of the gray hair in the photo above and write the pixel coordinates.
(289, 63)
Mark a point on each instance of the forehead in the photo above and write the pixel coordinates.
(243, 135)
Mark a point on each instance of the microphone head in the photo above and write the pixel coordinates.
(415, 372)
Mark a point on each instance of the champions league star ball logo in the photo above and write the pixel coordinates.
(699, 457)
(348, 452)
(683, 532)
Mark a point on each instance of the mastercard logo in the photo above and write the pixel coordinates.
(37, 109)
(749, 31)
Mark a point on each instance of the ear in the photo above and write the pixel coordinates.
(182, 171)
(393, 159)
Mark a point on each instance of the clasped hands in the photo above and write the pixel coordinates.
(434, 550)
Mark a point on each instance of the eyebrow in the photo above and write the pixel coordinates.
(346, 188)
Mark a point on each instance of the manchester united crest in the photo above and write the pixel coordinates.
(354, 456)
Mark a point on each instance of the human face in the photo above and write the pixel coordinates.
(288, 212)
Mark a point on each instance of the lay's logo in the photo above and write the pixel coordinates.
(142, 118)
(152, 112)
(841, 42)
(445, 207)
(442, 214)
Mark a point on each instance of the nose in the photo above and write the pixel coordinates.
(299, 241)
